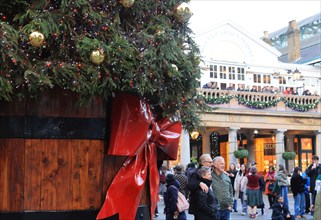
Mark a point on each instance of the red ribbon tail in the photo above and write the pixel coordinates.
(153, 179)
(124, 193)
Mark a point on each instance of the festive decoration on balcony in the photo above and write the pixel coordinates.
(257, 104)
(218, 100)
(301, 107)
(289, 155)
(36, 39)
(146, 141)
(241, 153)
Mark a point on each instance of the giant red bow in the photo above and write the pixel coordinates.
(134, 133)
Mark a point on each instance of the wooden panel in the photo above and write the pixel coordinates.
(33, 169)
(49, 173)
(95, 165)
(58, 102)
(63, 174)
(11, 174)
(64, 177)
(3, 176)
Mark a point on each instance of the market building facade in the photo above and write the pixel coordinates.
(264, 100)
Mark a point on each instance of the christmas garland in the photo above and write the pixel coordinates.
(260, 104)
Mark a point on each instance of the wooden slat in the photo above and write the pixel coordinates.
(49, 174)
(95, 174)
(64, 177)
(3, 175)
(33, 170)
(15, 169)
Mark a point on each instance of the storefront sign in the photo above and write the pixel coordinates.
(269, 149)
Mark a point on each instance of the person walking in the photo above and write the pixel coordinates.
(170, 199)
(232, 174)
(313, 171)
(254, 194)
(282, 181)
(207, 205)
(239, 192)
(182, 179)
(269, 185)
(195, 183)
(297, 187)
(222, 188)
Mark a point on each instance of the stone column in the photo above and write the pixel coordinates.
(290, 147)
(185, 149)
(279, 147)
(318, 143)
(250, 145)
(206, 148)
(232, 142)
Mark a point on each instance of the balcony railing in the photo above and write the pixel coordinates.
(257, 100)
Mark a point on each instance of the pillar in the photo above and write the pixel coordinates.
(206, 147)
(185, 149)
(290, 147)
(279, 147)
(318, 143)
(250, 145)
(232, 142)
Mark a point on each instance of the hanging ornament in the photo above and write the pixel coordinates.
(127, 3)
(36, 39)
(183, 12)
(97, 56)
(174, 67)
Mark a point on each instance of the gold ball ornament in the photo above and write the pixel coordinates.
(36, 39)
(97, 56)
(127, 3)
(183, 12)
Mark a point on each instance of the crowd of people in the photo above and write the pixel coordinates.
(213, 192)
(264, 89)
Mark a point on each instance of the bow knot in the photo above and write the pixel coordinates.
(134, 133)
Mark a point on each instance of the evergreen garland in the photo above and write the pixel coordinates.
(262, 105)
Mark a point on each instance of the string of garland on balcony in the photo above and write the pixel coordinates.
(97, 48)
(262, 104)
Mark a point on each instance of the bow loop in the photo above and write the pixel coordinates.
(134, 133)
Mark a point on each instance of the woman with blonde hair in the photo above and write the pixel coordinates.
(282, 180)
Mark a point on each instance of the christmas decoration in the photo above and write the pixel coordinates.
(241, 153)
(144, 136)
(36, 39)
(97, 56)
(183, 12)
(127, 3)
(289, 155)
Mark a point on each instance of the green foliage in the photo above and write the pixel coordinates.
(289, 155)
(241, 153)
(141, 44)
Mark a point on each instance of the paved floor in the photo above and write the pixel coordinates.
(237, 215)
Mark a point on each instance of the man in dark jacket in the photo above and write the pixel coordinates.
(297, 187)
(195, 183)
(313, 171)
(280, 211)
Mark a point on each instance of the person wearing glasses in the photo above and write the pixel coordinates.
(195, 183)
(222, 188)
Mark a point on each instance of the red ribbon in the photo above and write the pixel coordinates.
(135, 134)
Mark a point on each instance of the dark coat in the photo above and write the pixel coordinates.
(170, 200)
(297, 184)
(279, 210)
(313, 174)
(207, 205)
(192, 186)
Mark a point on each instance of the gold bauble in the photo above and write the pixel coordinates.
(183, 12)
(127, 3)
(97, 56)
(36, 39)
